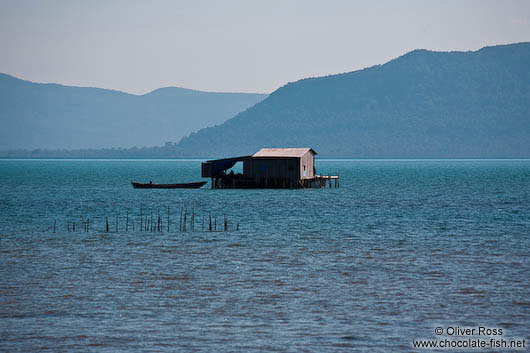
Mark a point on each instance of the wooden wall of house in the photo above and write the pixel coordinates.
(206, 170)
(272, 168)
(307, 161)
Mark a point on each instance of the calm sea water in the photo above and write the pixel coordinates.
(400, 248)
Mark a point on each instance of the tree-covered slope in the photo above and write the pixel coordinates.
(53, 116)
(422, 104)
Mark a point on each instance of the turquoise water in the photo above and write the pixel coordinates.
(400, 248)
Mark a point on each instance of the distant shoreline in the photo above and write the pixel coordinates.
(327, 159)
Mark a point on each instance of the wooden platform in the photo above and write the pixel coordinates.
(332, 180)
(239, 181)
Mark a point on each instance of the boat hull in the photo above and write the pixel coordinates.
(194, 185)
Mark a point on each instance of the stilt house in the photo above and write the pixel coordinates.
(267, 168)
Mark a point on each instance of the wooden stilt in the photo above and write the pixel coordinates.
(192, 222)
(158, 222)
(180, 225)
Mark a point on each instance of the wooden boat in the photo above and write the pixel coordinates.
(150, 185)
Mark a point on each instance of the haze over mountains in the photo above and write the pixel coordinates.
(423, 104)
(52, 116)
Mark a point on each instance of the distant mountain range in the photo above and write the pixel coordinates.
(53, 116)
(423, 104)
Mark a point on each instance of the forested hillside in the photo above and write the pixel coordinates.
(422, 104)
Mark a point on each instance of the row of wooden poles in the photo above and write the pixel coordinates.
(148, 224)
(322, 181)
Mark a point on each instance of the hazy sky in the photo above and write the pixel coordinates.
(238, 46)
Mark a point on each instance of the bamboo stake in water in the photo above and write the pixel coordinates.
(127, 221)
(168, 219)
(210, 215)
(141, 219)
(106, 224)
(225, 223)
(184, 225)
(193, 220)
(158, 222)
(180, 224)
(54, 225)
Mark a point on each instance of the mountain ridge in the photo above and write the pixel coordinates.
(55, 116)
(421, 104)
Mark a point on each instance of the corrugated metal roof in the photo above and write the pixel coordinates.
(283, 152)
(237, 159)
